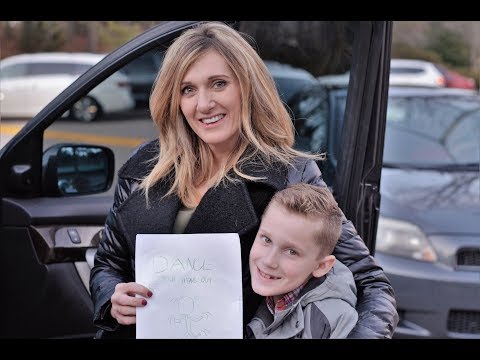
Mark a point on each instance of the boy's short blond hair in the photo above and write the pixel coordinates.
(316, 203)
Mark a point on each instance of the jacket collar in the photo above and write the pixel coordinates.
(291, 320)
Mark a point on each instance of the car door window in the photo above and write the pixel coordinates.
(118, 124)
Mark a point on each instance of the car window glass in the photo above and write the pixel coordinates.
(296, 53)
(462, 139)
(46, 68)
(12, 71)
(141, 73)
(147, 63)
(106, 116)
(432, 130)
(405, 70)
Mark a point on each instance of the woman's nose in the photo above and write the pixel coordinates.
(204, 102)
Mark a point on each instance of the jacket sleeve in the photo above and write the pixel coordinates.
(112, 262)
(376, 305)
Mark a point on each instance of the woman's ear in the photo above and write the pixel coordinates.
(324, 266)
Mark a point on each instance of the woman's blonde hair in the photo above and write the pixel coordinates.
(266, 128)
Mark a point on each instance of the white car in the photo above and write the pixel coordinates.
(409, 72)
(28, 82)
(403, 72)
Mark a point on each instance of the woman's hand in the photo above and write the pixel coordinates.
(124, 302)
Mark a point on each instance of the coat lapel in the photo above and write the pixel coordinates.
(228, 208)
(134, 217)
(224, 209)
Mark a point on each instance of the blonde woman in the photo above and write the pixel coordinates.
(225, 146)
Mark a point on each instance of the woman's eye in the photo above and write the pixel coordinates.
(186, 90)
(219, 83)
(266, 240)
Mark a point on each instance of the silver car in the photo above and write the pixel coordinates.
(31, 81)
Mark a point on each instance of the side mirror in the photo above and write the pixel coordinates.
(76, 169)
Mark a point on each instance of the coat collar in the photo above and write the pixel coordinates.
(286, 323)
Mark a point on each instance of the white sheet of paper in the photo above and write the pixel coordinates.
(196, 280)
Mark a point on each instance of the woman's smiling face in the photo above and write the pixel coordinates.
(211, 101)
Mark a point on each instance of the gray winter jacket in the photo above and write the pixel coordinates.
(324, 309)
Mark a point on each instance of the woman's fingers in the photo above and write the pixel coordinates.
(125, 310)
(124, 319)
(125, 301)
(133, 288)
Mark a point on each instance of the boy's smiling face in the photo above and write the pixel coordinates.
(285, 253)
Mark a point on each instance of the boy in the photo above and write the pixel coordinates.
(308, 294)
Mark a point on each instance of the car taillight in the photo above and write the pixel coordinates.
(441, 81)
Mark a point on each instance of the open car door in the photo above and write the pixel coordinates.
(57, 174)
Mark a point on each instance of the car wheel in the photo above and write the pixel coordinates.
(86, 109)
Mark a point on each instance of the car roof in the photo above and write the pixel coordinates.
(409, 62)
(278, 69)
(420, 91)
(70, 57)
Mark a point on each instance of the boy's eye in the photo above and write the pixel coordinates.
(292, 252)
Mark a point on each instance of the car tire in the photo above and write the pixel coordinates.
(86, 109)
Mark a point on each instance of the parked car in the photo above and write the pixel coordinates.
(55, 195)
(405, 72)
(409, 72)
(428, 231)
(289, 79)
(28, 82)
(455, 80)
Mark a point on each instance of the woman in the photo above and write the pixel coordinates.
(224, 147)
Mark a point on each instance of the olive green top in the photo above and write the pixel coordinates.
(183, 217)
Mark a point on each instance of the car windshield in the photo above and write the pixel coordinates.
(436, 132)
(432, 131)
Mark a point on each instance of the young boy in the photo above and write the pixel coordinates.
(308, 294)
